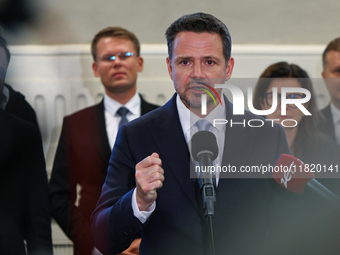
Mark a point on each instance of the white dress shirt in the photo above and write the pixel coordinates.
(112, 119)
(336, 121)
(188, 120)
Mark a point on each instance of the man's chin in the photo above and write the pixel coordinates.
(191, 103)
(120, 88)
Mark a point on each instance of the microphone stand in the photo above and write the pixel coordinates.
(205, 150)
(211, 236)
(209, 199)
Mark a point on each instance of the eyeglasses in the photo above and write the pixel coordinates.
(120, 55)
(269, 98)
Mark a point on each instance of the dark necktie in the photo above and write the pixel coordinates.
(122, 111)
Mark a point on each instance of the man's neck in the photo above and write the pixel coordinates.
(122, 97)
(198, 111)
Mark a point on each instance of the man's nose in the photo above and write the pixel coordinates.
(197, 71)
(117, 62)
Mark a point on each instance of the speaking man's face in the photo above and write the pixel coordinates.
(197, 59)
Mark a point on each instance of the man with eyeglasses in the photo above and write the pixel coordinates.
(329, 122)
(87, 137)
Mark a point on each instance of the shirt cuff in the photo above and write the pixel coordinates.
(142, 216)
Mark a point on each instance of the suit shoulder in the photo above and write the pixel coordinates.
(18, 106)
(147, 118)
(16, 99)
(22, 131)
(150, 105)
(84, 113)
(146, 106)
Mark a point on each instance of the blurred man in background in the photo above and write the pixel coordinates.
(330, 120)
(24, 211)
(87, 137)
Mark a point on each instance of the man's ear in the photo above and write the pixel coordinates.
(140, 64)
(95, 69)
(168, 63)
(230, 67)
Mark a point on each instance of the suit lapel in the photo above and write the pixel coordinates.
(169, 139)
(328, 126)
(237, 148)
(238, 139)
(99, 135)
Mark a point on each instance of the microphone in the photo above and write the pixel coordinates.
(292, 174)
(204, 149)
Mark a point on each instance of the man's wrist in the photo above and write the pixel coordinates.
(142, 216)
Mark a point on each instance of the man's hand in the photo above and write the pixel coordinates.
(149, 178)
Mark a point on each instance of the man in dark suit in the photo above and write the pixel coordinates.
(84, 148)
(24, 211)
(148, 189)
(10, 100)
(329, 122)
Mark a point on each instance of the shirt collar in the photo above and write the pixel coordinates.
(335, 113)
(132, 105)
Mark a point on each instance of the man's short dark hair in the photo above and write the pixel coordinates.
(332, 45)
(199, 22)
(114, 32)
(3, 44)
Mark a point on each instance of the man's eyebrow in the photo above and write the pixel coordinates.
(184, 57)
(191, 57)
(215, 58)
(211, 56)
(180, 58)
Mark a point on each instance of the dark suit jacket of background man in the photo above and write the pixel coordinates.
(325, 123)
(82, 158)
(24, 210)
(252, 216)
(18, 106)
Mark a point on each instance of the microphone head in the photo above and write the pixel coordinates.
(291, 173)
(204, 142)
